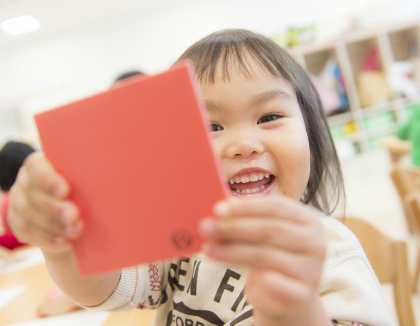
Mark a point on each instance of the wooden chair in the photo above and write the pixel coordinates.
(389, 261)
(397, 148)
(407, 183)
(413, 205)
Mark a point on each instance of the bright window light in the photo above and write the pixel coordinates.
(20, 25)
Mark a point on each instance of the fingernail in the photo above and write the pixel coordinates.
(68, 214)
(221, 209)
(207, 227)
(70, 230)
(59, 190)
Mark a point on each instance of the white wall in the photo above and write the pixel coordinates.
(83, 62)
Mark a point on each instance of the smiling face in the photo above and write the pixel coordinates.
(259, 133)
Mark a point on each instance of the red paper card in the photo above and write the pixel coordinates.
(141, 168)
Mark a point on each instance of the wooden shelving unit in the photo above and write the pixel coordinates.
(367, 124)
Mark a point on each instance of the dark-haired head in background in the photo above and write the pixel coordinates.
(127, 75)
(11, 159)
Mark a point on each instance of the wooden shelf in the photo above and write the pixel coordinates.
(393, 43)
(340, 118)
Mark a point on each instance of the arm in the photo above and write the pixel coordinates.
(41, 214)
(87, 291)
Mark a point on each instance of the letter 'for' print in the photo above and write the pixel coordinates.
(224, 284)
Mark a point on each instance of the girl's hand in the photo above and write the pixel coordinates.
(39, 212)
(282, 243)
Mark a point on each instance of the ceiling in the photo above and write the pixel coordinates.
(60, 16)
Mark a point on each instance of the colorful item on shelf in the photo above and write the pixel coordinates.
(329, 98)
(349, 128)
(373, 88)
(295, 36)
(400, 78)
(370, 61)
(379, 121)
(332, 78)
(371, 81)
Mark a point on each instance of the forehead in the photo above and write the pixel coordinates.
(254, 83)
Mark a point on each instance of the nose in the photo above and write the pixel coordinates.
(244, 146)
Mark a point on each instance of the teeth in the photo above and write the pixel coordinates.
(253, 177)
(251, 191)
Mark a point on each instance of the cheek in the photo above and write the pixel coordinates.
(218, 149)
(294, 163)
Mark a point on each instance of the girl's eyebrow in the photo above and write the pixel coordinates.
(256, 99)
(269, 96)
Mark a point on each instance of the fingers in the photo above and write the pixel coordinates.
(43, 176)
(40, 213)
(274, 294)
(280, 207)
(302, 267)
(50, 211)
(275, 232)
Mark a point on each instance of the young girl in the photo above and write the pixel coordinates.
(272, 256)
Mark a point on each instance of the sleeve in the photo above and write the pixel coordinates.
(138, 287)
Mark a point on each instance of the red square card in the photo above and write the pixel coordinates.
(141, 168)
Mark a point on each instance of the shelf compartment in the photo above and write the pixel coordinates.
(405, 43)
(358, 50)
(378, 121)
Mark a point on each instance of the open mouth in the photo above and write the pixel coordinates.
(251, 183)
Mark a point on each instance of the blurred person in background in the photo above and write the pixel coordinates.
(11, 159)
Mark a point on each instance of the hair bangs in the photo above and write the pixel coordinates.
(221, 56)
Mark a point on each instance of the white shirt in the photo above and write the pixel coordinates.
(197, 291)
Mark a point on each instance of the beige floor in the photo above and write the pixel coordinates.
(371, 195)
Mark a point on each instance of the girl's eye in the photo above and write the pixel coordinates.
(269, 118)
(215, 127)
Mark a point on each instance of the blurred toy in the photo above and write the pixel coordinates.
(400, 78)
(371, 81)
(332, 78)
(329, 98)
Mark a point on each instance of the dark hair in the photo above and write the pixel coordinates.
(128, 74)
(11, 159)
(221, 53)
